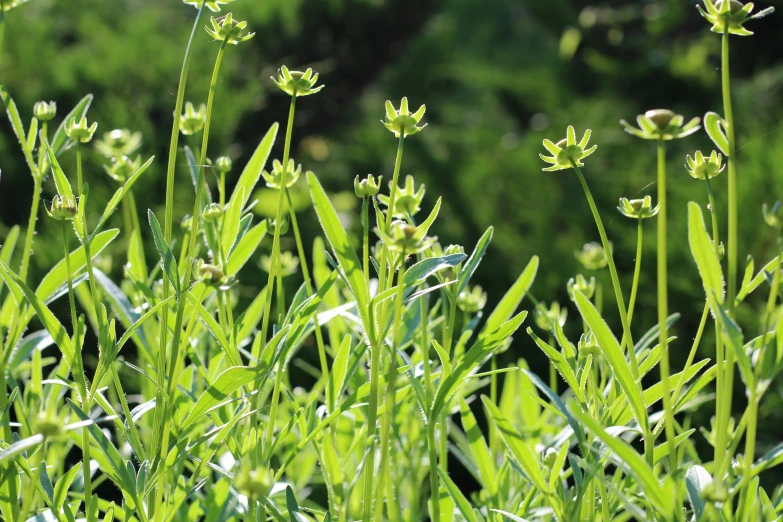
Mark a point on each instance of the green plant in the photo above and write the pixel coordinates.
(220, 430)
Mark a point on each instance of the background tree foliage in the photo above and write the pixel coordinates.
(497, 77)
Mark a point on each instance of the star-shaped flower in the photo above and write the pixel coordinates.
(567, 152)
(661, 124)
(731, 12)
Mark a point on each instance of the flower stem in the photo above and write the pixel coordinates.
(663, 306)
(186, 280)
(366, 239)
(636, 271)
(618, 292)
(433, 458)
(395, 180)
(37, 185)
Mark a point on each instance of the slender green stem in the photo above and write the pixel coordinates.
(366, 239)
(79, 178)
(636, 271)
(186, 280)
(37, 184)
(385, 473)
(395, 180)
(618, 292)
(274, 265)
(663, 306)
(433, 458)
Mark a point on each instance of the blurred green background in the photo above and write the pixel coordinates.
(497, 76)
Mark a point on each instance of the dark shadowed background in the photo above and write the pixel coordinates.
(497, 76)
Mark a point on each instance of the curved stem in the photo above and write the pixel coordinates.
(663, 306)
(636, 271)
(628, 339)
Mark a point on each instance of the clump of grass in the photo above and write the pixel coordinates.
(218, 431)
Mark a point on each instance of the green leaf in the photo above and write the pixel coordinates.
(456, 495)
(339, 371)
(225, 384)
(470, 361)
(508, 305)
(60, 179)
(707, 261)
(293, 506)
(120, 193)
(251, 173)
(9, 245)
(58, 275)
(19, 446)
(231, 221)
(614, 356)
(63, 485)
(47, 318)
(479, 450)
(516, 444)
(427, 267)
(349, 262)
(561, 365)
(760, 277)
(558, 402)
(45, 481)
(715, 127)
(473, 262)
(16, 124)
(169, 263)
(636, 465)
(696, 480)
(245, 248)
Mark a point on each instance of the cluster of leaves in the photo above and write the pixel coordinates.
(219, 429)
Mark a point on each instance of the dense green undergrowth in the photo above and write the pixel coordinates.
(406, 370)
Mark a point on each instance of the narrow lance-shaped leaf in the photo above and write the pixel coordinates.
(251, 173)
(508, 305)
(706, 259)
(473, 261)
(169, 263)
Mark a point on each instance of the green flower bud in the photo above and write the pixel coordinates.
(284, 224)
(567, 152)
(80, 131)
(367, 187)
(211, 275)
(405, 239)
(288, 265)
(193, 121)
(45, 111)
(585, 286)
(638, 208)
(48, 426)
(212, 212)
(454, 249)
(472, 302)
(701, 168)
(226, 29)
(122, 167)
(588, 345)
(62, 208)
(408, 199)
(661, 124)
(592, 256)
(212, 5)
(546, 319)
(402, 121)
(119, 142)
(550, 457)
(731, 13)
(255, 484)
(224, 164)
(297, 83)
(187, 223)
(279, 175)
(773, 215)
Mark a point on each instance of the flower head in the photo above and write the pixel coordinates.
(275, 178)
(730, 15)
(62, 208)
(284, 225)
(80, 131)
(638, 208)
(192, 121)
(119, 142)
(773, 215)
(402, 121)
(255, 483)
(408, 200)
(547, 319)
(287, 266)
(212, 212)
(661, 124)
(211, 275)
(704, 168)
(228, 30)
(122, 167)
(212, 5)
(592, 256)
(367, 187)
(567, 152)
(297, 83)
(224, 164)
(473, 301)
(581, 283)
(405, 238)
(45, 111)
